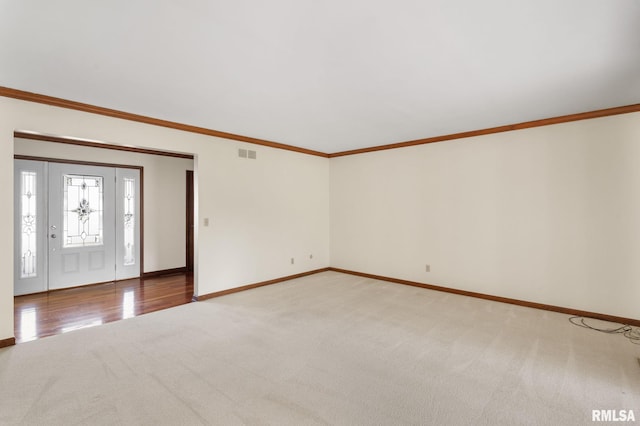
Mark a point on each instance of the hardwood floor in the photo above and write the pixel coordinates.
(46, 314)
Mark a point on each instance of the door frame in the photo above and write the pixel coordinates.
(91, 163)
(190, 222)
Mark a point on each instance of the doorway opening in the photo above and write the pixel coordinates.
(161, 280)
(76, 224)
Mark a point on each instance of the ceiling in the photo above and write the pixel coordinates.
(328, 75)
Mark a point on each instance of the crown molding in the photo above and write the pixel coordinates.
(79, 106)
(63, 103)
(519, 126)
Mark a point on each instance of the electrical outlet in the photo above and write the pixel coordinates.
(206, 221)
(310, 256)
(292, 261)
(427, 268)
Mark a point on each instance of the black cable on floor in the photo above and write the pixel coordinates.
(633, 334)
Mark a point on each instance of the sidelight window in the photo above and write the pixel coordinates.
(129, 221)
(29, 221)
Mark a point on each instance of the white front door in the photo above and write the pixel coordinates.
(81, 225)
(74, 225)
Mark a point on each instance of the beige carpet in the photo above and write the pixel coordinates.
(324, 349)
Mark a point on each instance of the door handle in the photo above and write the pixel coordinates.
(53, 235)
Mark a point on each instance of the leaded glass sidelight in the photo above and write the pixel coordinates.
(83, 211)
(129, 221)
(29, 222)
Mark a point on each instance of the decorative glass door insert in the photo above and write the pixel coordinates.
(83, 211)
